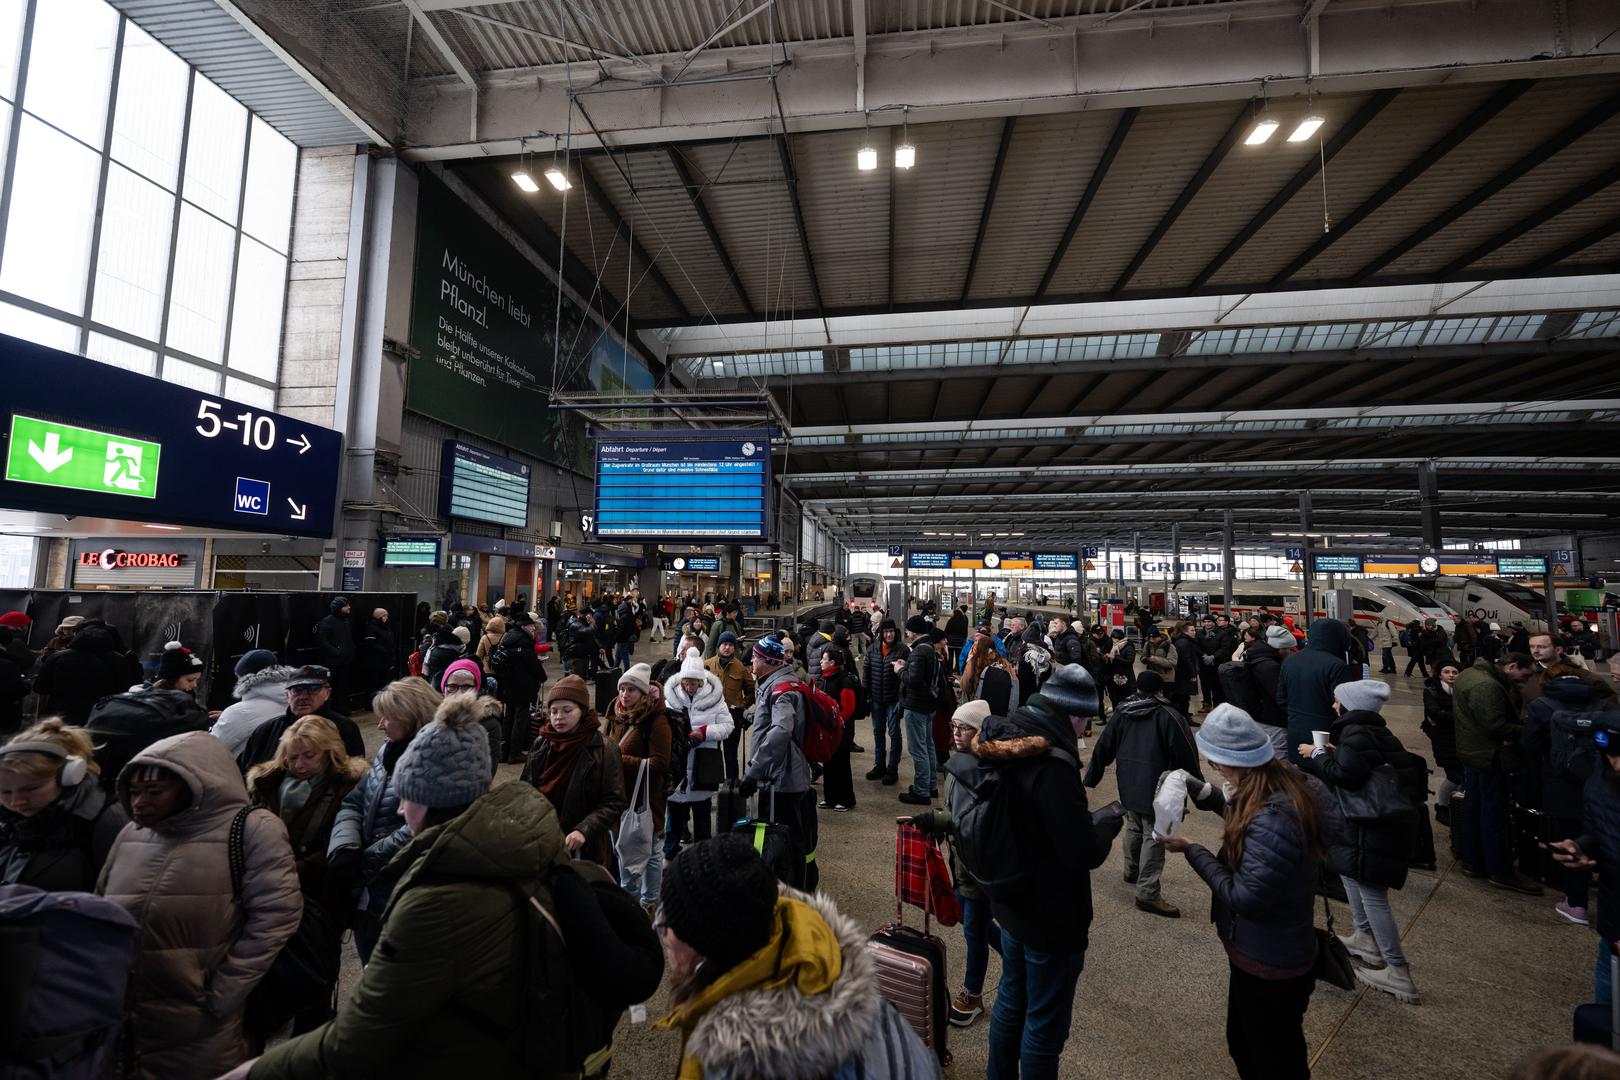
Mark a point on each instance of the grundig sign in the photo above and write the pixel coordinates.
(113, 559)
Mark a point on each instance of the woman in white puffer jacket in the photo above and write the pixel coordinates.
(699, 693)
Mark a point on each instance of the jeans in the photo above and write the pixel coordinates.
(1034, 1009)
(920, 737)
(886, 732)
(1144, 856)
(658, 629)
(1485, 804)
(1389, 661)
(1265, 1025)
(647, 885)
(621, 655)
(676, 816)
(1369, 907)
(982, 934)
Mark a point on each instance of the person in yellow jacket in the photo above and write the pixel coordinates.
(772, 983)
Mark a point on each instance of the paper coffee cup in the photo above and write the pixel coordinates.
(1319, 739)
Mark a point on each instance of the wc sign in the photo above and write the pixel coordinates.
(252, 496)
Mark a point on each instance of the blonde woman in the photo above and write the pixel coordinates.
(56, 822)
(494, 630)
(369, 827)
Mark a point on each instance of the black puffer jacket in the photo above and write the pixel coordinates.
(1440, 723)
(917, 677)
(1068, 648)
(522, 673)
(1186, 651)
(334, 636)
(1556, 722)
(882, 684)
(1601, 841)
(1263, 664)
(1376, 854)
(1146, 737)
(94, 665)
(61, 848)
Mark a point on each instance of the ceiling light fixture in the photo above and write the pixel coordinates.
(1307, 127)
(866, 156)
(558, 178)
(171, 528)
(905, 155)
(525, 182)
(1262, 131)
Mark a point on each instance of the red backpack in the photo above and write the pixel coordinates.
(823, 724)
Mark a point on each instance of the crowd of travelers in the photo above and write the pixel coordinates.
(663, 827)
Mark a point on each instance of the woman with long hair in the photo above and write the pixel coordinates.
(579, 771)
(1278, 825)
(981, 659)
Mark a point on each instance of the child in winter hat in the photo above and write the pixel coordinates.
(447, 765)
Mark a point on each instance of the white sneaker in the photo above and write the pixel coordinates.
(1393, 979)
(1364, 947)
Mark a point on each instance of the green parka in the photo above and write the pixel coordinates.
(451, 946)
(1486, 719)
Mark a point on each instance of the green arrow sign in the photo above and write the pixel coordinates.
(64, 456)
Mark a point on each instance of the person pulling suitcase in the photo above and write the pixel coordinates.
(775, 759)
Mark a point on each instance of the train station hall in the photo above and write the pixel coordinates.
(810, 539)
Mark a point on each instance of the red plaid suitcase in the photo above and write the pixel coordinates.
(911, 971)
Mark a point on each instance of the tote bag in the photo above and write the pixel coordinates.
(636, 827)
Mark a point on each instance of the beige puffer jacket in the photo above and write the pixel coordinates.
(199, 953)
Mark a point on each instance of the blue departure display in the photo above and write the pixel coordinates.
(689, 487)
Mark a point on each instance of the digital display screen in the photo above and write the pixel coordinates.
(421, 551)
(1057, 561)
(928, 560)
(697, 487)
(1521, 564)
(1335, 564)
(481, 486)
(692, 564)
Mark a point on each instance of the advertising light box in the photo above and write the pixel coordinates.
(696, 487)
(88, 439)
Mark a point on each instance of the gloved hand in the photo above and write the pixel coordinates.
(923, 821)
(700, 733)
(746, 787)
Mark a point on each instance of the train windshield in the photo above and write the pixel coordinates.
(863, 590)
(1522, 598)
(1416, 597)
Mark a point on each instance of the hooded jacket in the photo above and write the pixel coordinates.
(1600, 840)
(523, 673)
(1564, 711)
(63, 847)
(450, 963)
(1052, 911)
(1440, 723)
(1377, 854)
(775, 759)
(334, 637)
(807, 1004)
(1263, 666)
(445, 650)
(1305, 683)
(1488, 728)
(917, 677)
(94, 664)
(375, 656)
(710, 722)
(259, 697)
(200, 951)
(595, 795)
(1146, 737)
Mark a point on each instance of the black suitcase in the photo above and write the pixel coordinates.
(730, 808)
(777, 844)
(607, 688)
(1457, 815)
(1532, 829)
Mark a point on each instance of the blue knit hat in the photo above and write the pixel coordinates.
(725, 636)
(1230, 736)
(769, 649)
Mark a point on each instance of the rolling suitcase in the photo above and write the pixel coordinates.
(1532, 829)
(730, 808)
(911, 973)
(607, 688)
(1600, 1024)
(777, 844)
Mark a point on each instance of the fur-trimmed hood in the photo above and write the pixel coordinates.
(711, 695)
(1013, 749)
(268, 684)
(783, 1034)
(460, 710)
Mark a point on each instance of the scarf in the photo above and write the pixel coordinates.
(295, 793)
(562, 754)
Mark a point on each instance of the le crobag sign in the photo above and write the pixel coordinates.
(114, 559)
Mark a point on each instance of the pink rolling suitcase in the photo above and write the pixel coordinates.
(911, 974)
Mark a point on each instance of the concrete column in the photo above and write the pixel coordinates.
(735, 554)
(1307, 602)
(649, 577)
(1229, 570)
(548, 584)
(1429, 505)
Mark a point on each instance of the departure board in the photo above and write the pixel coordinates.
(690, 487)
(481, 486)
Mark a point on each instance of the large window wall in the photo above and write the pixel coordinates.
(145, 215)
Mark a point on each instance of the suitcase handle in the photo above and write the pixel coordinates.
(928, 882)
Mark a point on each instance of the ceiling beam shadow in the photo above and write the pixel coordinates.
(1093, 185)
(1573, 197)
(694, 192)
(989, 201)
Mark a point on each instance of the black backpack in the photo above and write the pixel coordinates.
(942, 678)
(987, 841)
(1573, 754)
(123, 725)
(1238, 688)
(995, 688)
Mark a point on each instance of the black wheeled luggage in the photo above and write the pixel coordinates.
(1600, 1024)
(607, 688)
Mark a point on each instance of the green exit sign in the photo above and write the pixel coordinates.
(64, 456)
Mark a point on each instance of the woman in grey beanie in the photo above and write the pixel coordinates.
(1278, 825)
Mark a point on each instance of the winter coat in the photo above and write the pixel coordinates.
(1440, 723)
(818, 644)
(1187, 656)
(917, 678)
(259, 697)
(1600, 840)
(1068, 647)
(13, 685)
(1305, 683)
(201, 950)
(334, 639)
(1218, 645)
(261, 745)
(121, 732)
(1158, 656)
(1264, 907)
(882, 684)
(626, 628)
(94, 665)
(1051, 911)
(594, 797)
(375, 658)
(755, 1023)
(523, 673)
(735, 680)
(774, 758)
(648, 740)
(63, 847)
(1488, 728)
(1531, 688)
(1146, 737)
(369, 821)
(1263, 666)
(1119, 674)
(310, 830)
(1566, 706)
(710, 721)
(956, 627)
(450, 966)
(1378, 854)
(445, 650)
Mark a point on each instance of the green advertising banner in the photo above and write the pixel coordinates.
(484, 321)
